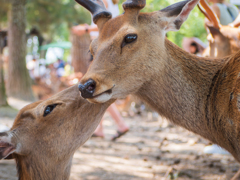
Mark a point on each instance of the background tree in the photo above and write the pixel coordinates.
(80, 52)
(54, 18)
(3, 96)
(18, 82)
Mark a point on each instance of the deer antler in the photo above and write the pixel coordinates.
(132, 9)
(97, 8)
(236, 22)
(204, 12)
(134, 4)
(209, 13)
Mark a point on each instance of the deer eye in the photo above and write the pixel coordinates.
(49, 109)
(129, 39)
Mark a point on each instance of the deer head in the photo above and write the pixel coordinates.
(124, 46)
(223, 40)
(45, 134)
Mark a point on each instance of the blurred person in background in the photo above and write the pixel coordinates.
(32, 66)
(122, 128)
(194, 49)
(193, 45)
(226, 12)
(60, 68)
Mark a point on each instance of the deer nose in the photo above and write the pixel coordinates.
(87, 89)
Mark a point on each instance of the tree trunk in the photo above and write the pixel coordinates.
(3, 96)
(80, 52)
(18, 83)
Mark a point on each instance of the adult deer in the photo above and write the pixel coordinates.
(45, 135)
(224, 40)
(132, 56)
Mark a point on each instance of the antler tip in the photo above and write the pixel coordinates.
(134, 4)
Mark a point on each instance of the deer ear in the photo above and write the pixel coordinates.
(6, 146)
(177, 13)
(214, 31)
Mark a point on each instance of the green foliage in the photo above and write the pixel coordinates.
(54, 18)
(155, 5)
(4, 7)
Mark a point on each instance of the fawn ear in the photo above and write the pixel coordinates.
(177, 13)
(6, 146)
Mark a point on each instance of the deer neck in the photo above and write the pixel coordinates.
(179, 88)
(30, 168)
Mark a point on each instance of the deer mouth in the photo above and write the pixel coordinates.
(6, 149)
(102, 97)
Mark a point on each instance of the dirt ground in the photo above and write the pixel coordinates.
(152, 149)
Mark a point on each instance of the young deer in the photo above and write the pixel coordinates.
(46, 134)
(132, 56)
(224, 40)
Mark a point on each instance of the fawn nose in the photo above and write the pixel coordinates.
(87, 89)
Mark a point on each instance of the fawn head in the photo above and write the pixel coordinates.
(53, 128)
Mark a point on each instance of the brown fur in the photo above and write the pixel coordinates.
(45, 145)
(200, 94)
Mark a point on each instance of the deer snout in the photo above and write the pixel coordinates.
(87, 89)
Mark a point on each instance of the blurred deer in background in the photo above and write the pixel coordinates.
(223, 40)
(45, 135)
(132, 56)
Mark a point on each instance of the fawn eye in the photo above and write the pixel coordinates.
(129, 39)
(91, 58)
(49, 109)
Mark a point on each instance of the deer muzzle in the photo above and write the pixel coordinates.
(87, 89)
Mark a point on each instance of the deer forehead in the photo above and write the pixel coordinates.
(25, 112)
(111, 27)
(120, 26)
